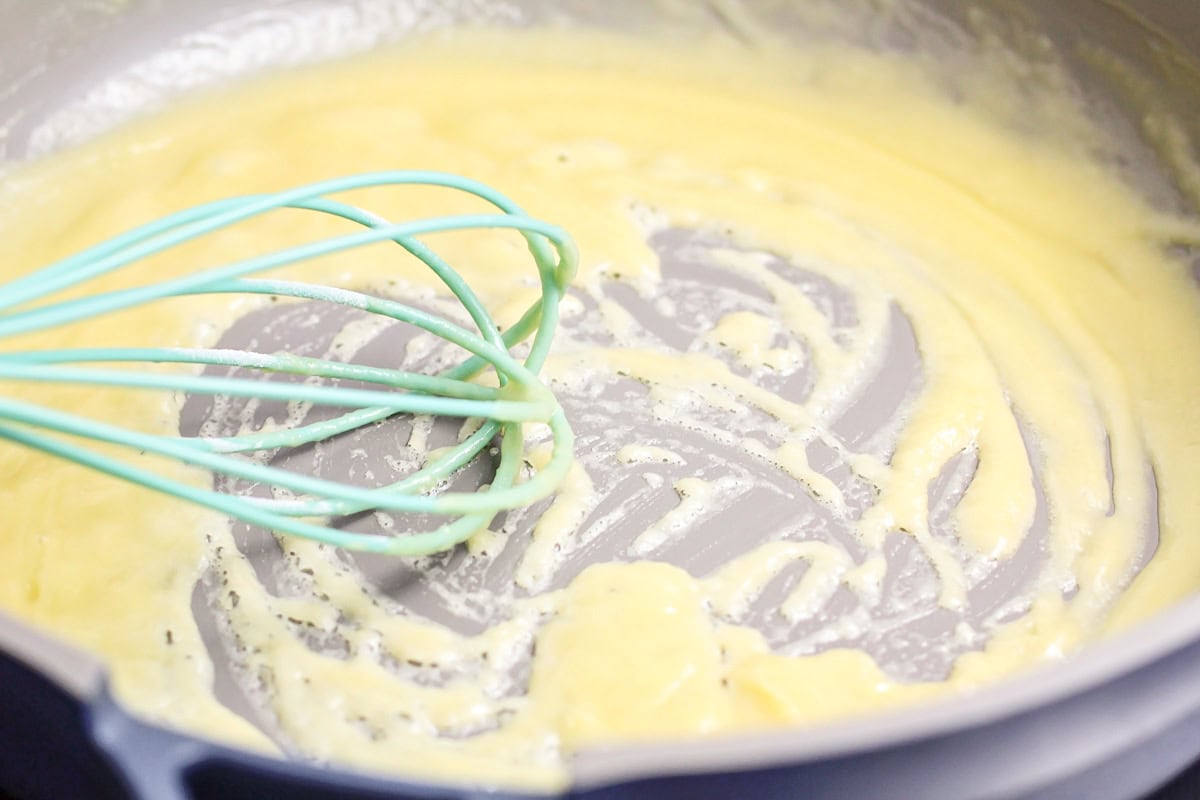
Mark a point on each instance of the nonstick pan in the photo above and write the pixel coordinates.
(1113, 722)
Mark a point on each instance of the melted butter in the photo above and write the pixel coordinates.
(1034, 281)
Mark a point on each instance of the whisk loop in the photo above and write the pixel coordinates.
(520, 397)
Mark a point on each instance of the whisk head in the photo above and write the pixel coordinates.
(519, 396)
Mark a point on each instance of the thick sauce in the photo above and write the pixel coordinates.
(1058, 339)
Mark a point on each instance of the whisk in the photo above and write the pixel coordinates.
(520, 397)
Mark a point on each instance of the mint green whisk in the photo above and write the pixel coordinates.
(520, 398)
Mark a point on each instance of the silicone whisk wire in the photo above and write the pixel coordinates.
(519, 398)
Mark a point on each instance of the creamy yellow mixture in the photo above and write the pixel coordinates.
(1040, 289)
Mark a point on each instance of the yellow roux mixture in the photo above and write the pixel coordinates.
(1039, 286)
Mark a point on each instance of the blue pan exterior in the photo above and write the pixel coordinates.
(56, 747)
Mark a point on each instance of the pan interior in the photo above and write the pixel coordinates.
(676, 469)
